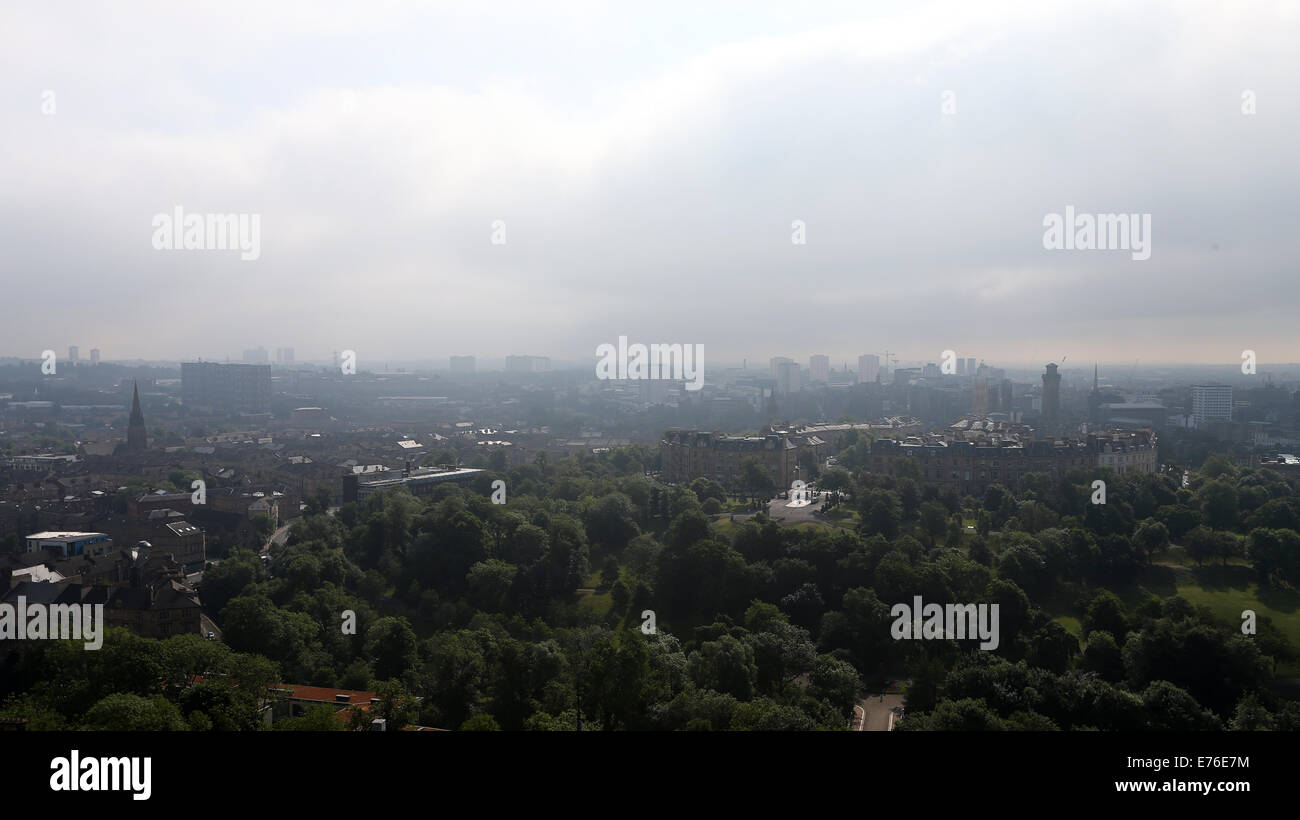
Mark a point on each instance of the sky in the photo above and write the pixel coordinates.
(517, 177)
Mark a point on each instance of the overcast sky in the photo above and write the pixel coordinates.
(648, 167)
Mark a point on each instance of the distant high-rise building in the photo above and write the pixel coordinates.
(72, 355)
(961, 367)
(94, 356)
(230, 388)
(1211, 402)
(284, 355)
(1051, 393)
(1006, 397)
(868, 368)
(137, 438)
(931, 370)
(970, 366)
(980, 401)
(463, 364)
(528, 364)
(257, 356)
(787, 377)
(819, 369)
(776, 363)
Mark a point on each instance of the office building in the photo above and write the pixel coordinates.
(776, 363)
(980, 399)
(819, 369)
(868, 368)
(229, 388)
(69, 544)
(528, 364)
(1211, 402)
(788, 377)
(72, 355)
(1051, 394)
(284, 355)
(94, 356)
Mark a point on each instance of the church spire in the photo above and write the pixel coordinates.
(136, 435)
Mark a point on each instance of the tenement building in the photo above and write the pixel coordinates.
(686, 455)
(970, 464)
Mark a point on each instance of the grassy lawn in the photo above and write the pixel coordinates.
(1225, 590)
(843, 514)
(724, 526)
(1072, 624)
(600, 602)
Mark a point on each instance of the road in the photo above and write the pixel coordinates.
(881, 716)
(278, 537)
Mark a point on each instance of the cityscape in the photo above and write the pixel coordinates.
(556, 373)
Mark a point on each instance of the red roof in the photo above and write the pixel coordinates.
(325, 694)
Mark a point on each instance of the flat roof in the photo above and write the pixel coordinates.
(65, 536)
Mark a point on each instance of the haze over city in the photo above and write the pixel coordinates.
(921, 146)
(921, 367)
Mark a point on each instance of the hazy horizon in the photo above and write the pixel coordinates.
(646, 172)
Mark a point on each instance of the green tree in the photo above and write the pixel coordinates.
(314, 719)
(836, 682)
(1219, 504)
(391, 647)
(480, 723)
(756, 479)
(125, 712)
(725, 665)
(934, 521)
